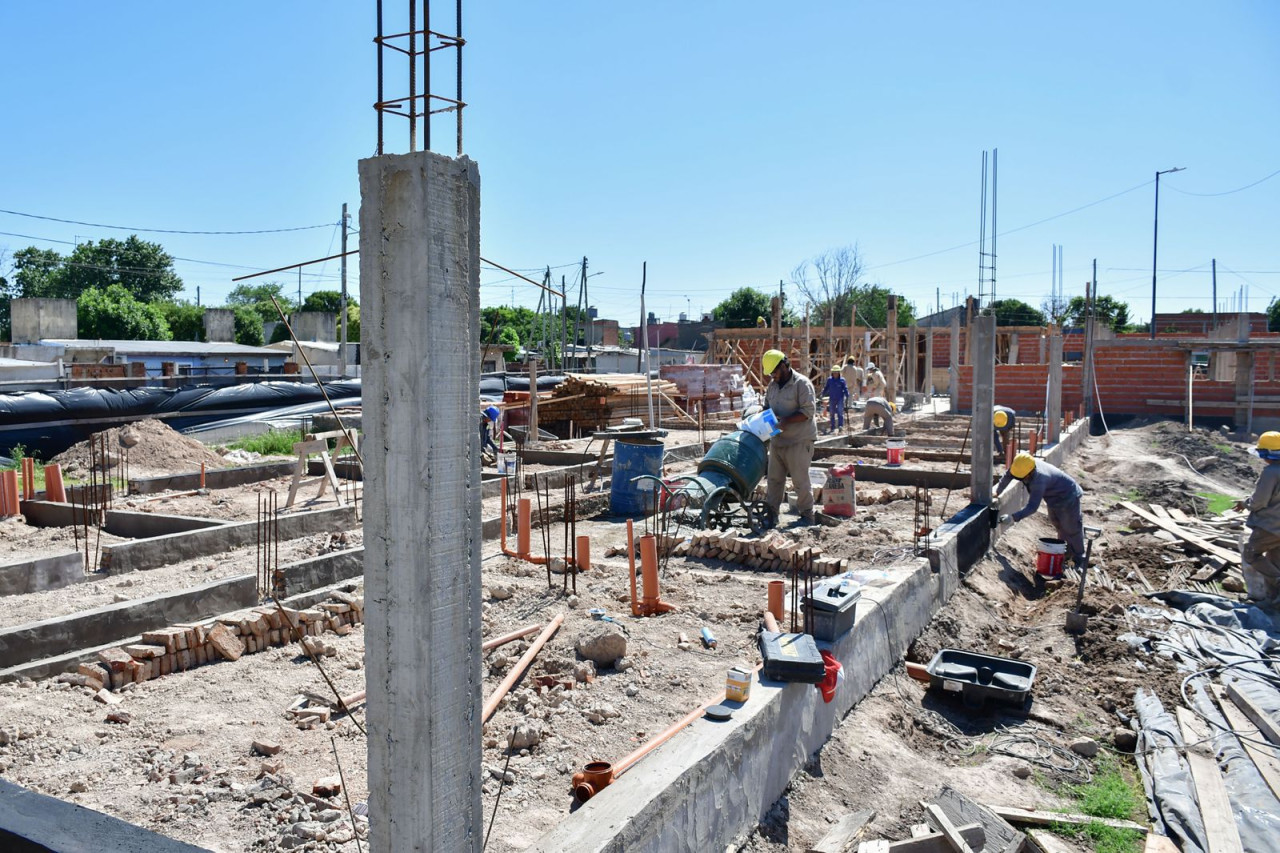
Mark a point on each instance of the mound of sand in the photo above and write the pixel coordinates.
(159, 450)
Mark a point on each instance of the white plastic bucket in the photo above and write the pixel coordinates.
(1051, 557)
(507, 463)
(763, 425)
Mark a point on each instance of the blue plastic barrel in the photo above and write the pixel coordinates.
(631, 460)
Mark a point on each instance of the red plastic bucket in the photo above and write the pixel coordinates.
(1051, 558)
(894, 450)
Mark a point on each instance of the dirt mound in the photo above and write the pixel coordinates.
(160, 449)
(1210, 452)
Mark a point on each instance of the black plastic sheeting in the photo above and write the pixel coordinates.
(1212, 638)
(46, 423)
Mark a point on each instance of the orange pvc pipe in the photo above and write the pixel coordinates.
(506, 638)
(10, 485)
(1031, 443)
(524, 523)
(491, 704)
(776, 591)
(202, 475)
(649, 568)
(53, 484)
(631, 561)
(28, 479)
(583, 558)
(502, 527)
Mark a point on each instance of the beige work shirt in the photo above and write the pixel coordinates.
(794, 395)
(852, 377)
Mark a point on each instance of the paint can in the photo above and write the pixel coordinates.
(1051, 558)
(737, 685)
(894, 449)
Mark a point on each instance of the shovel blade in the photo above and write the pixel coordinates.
(1077, 623)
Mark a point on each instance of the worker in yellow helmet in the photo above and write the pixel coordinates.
(875, 410)
(1061, 496)
(760, 324)
(1260, 552)
(793, 402)
(1003, 421)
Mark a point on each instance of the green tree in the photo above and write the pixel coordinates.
(1273, 316)
(258, 297)
(524, 322)
(143, 268)
(872, 304)
(1012, 312)
(743, 308)
(1108, 311)
(186, 321)
(248, 326)
(112, 313)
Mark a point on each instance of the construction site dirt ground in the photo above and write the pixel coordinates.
(183, 763)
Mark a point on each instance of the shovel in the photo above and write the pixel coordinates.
(1078, 622)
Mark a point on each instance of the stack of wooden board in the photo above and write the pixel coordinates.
(1214, 541)
(596, 401)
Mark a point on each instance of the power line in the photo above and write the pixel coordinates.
(1228, 192)
(162, 230)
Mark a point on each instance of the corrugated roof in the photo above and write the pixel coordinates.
(164, 347)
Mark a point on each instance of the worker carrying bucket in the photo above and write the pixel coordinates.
(791, 398)
(1060, 493)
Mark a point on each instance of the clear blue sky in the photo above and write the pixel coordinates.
(721, 142)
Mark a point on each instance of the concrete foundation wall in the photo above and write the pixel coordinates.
(38, 575)
(33, 320)
(35, 823)
(141, 525)
(25, 643)
(223, 478)
(52, 514)
(325, 570)
(704, 787)
(176, 547)
(219, 325)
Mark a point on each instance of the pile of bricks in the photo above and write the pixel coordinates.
(191, 644)
(774, 552)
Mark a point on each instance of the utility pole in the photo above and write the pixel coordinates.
(644, 329)
(564, 321)
(197, 296)
(1215, 295)
(1155, 244)
(342, 304)
(299, 308)
(586, 298)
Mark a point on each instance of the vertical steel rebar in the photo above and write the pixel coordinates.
(413, 77)
(426, 72)
(378, 42)
(458, 50)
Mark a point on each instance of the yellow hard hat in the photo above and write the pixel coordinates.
(771, 360)
(1023, 464)
(1269, 440)
(1000, 419)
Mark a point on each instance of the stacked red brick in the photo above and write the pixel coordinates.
(188, 645)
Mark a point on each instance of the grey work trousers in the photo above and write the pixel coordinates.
(790, 460)
(1068, 521)
(875, 411)
(1260, 564)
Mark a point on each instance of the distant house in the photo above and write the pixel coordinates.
(163, 358)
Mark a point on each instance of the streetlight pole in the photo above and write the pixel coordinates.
(1155, 243)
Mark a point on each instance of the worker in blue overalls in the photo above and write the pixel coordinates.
(836, 391)
(487, 420)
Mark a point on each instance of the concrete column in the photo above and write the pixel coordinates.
(419, 289)
(831, 340)
(1244, 392)
(806, 363)
(1086, 381)
(954, 370)
(532, 440)
(983, 333)
(928, 361)
(1053, 415)
(970, 311)
(891, 347)
(775, 308)
(909, 353)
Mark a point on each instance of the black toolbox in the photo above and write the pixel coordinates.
(829, 611)
(791, 657)
(978, 678)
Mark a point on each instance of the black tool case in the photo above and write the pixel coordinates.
(791, 657)
(977, 678)
(830, 610)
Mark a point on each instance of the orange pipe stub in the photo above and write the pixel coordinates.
(776, 591)
(9, 484)
(582, 557)
(524, 523)
(651, 604)
(53, 484)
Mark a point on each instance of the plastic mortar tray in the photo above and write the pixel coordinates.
(977, 678)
